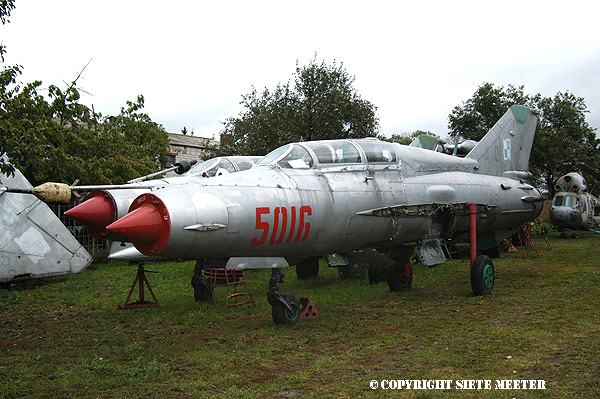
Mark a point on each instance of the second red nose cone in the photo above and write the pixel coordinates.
(147, 225)
(95, 213)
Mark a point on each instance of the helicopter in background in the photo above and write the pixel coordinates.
(573, 207)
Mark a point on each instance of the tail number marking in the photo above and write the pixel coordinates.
(280, 231)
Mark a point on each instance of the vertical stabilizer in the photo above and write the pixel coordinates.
(33, 241)
(505, 149)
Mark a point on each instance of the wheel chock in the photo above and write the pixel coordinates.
(307, 309)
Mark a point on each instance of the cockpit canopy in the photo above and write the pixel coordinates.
(223, 165)
(570, 201)
(330, 152)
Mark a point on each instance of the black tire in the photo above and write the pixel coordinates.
(307, 268)
(201, 289)
(376, 275)
(351, 270)
(482, 275)
(282, 315)
(399, 276)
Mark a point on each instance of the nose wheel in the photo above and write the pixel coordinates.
(285, 307)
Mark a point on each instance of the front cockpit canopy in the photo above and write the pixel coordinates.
(223, 165)
(569, 201)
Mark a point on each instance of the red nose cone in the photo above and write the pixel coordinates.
(95, 213)
(147, 225)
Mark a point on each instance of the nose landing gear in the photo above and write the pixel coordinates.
(285, 307)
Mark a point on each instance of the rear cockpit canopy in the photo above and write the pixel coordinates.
(327, 153)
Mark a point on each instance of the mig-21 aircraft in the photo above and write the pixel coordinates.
(366, 199)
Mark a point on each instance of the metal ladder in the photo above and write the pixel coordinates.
(526, 240)
(230, 278)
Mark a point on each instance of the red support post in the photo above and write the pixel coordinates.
(473, 230)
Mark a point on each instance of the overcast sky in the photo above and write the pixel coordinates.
(415, 61)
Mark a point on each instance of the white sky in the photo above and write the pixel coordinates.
(415, 61)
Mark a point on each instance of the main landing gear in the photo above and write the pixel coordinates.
(482, 275)
(285, 307)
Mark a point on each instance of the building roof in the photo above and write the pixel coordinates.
(192, 141)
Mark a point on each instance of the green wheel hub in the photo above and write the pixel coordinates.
(488, 276)
(482, 275)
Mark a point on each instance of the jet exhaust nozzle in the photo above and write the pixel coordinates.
(147, 225)
(95, 213)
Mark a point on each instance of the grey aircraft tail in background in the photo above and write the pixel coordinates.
(33, 241)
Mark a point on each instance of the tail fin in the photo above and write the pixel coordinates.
(505, 149)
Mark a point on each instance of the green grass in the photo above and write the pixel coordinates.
(65, 337)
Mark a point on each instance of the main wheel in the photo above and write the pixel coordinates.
(399, 276)
(307, 268)
(376, 275)
(282, 315)
(201, 289)
(200, 284)
(482, 275)
(351, 270)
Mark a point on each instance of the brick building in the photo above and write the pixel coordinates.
(189, 148)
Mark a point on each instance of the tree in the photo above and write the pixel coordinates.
(6, 6)
(329, 107)
(407, 138)
(320, 104)
(7, 77)
(563, 142)
(473, 118)
(60, 139)
(63, 140)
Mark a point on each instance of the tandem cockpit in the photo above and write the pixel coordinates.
(329, 153)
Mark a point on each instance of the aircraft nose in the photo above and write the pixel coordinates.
(95, 213)
(147, 225)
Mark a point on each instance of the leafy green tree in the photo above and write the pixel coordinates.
(63, 140)
(328, 106)
(6, 6)
(7, 77)
(563, 142)
(267, 123)
(60, 139)
(407, 138)
(320, 104)
(473, 118)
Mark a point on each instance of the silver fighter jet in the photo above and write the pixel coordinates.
(367, 200)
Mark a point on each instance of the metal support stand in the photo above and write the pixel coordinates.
(140, 280)
(473, 231)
